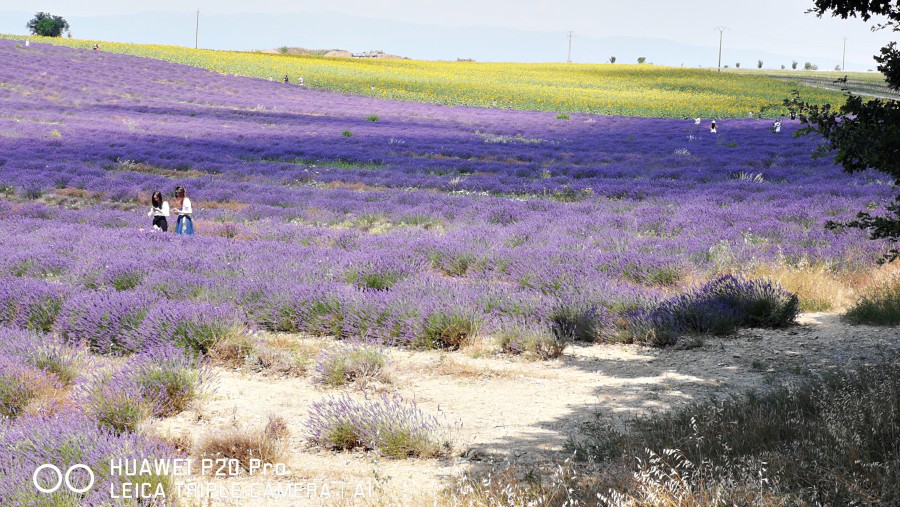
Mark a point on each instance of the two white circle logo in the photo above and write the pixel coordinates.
(60, 478)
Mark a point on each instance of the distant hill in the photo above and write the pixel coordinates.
(428, 42)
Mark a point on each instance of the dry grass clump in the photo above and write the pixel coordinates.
(267, 444)
(832, 440)
(818, 287)
(879, 305)
(511, 485)
(451, 366)
(276, 354)
(822, 288)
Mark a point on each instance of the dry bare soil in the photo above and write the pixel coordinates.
(500, 407)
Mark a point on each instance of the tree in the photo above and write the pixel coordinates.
(642, 59)
(47, 25)
(794, 65)
(810, 66)
(612, 59)
(863, 134)
(737, 65)
(759, 64)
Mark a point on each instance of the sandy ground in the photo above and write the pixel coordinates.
(503, 408)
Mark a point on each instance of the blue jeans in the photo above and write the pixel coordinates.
(184, 225)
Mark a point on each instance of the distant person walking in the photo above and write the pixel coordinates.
(713, 128)
(159, 210)
(776, 127)
(182, 209)
(287, 80)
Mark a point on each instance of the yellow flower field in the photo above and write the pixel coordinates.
(628, 90)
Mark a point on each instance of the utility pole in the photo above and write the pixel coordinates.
(721, 30)
(571, 34)
(197, 31)
(844, 58)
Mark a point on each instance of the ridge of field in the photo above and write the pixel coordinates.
(621, 90)
(867, 84)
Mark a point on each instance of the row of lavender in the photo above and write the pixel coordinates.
(61, 119)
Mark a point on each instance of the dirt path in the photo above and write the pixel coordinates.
(511, 408)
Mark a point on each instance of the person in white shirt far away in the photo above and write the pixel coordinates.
(182, 209)
(159, 210)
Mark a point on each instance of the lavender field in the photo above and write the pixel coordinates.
(346, 217)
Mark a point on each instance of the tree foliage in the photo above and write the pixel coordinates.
(863, 133)
(47, 25)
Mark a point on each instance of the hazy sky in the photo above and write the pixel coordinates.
(769, 25)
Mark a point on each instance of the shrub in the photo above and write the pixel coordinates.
(167, 376)
(108, 322)
(341, 364)
(64, 439)
(448, 327)
(191, 325)
(315, 309)
(880, 306)
(30, 304)
(42, 352)
(267, 444)
(380, 272)
(233, 350)
(831, 440)
(575, 317)
(389, 425)
(347, 133)
(116, 403)
(562, 116)
(124, 275)
(20, 383)
(374, 117)
(718, 307)
(517, 337)
(510, 484)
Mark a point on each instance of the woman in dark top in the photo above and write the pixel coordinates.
(159, 210)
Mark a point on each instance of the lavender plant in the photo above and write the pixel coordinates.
(43, 352)
(718, 307)
(116, 403)
(65, 439)
(108, 322)
(193, 326)
(345, 363)
(30, 304)
(518, 336)
(167, 376)
(389, 425)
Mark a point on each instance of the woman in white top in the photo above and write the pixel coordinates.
(182, 209)
(159, 210)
